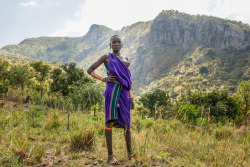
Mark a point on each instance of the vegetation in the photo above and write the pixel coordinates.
(66, 125)
(212, 73)
(38, 135)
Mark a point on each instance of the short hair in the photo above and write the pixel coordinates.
(114, 36)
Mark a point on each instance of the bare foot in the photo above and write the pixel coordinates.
(113, 161)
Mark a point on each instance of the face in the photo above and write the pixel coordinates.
(116, 44)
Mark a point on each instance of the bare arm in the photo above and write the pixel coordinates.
(91, 70)
(131, 100)
(130, 93)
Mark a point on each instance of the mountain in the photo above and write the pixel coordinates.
(172, 51)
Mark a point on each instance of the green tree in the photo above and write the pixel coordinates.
(43, 71)
(157, 98)
(19, 76)
(244, 91)
(74, 74)
(4, 78)
(59, 83)
(65, 82)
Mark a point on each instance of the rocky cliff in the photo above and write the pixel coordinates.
(154, 47)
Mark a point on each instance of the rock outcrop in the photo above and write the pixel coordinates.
(153, 47)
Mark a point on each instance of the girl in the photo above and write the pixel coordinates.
(118, 94)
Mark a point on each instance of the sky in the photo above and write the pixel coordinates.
(21, 19)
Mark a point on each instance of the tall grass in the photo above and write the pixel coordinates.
(37, 135)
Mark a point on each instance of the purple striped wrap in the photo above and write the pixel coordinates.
(117, 92)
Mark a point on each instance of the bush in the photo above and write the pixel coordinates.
(190, 112)
(85, 96)
(217, 105)
(152, 101)
(203, 70)
(210, 52)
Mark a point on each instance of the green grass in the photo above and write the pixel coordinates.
(36, 135)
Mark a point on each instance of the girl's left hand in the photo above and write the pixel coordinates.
(131, 103)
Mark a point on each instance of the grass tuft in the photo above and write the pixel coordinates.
(223, 133)
(53, 121)
(83, 140)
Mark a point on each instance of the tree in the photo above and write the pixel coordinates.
(4, 78)
(59, 83)
(65, 82)
(244, 91)
(19, 76)
(158, 98)
(43, 71)
(74, 74)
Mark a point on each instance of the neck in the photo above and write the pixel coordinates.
(117, 53)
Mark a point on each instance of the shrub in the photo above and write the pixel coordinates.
(189, 112)
(203, 70)
(210, 52)
(87, 95)
(218, 105)
(152, 101)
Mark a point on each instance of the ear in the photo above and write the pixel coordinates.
(110, 45)
(122, 44)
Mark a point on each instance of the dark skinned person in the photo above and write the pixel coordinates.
(118, 95)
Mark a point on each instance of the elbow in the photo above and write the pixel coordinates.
(89, 71)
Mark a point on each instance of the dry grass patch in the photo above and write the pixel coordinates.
(83, 140)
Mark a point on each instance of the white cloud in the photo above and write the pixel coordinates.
(232, 9)
(116, 14)
(55, 3)
(31, 4)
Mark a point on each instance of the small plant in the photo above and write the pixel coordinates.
(58, 150)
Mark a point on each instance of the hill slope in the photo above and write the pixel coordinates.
(164, 52)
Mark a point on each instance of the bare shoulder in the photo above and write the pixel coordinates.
(105, 57)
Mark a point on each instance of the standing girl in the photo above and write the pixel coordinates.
(118, 94)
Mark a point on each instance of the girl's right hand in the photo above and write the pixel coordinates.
(110, 78)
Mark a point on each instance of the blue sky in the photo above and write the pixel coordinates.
(20, 19)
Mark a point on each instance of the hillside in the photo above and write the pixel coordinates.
(167, 52)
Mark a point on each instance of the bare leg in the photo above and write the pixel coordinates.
(127, 134)
(108, 134)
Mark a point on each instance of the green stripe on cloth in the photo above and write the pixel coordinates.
(116, 92)
(114, 101)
